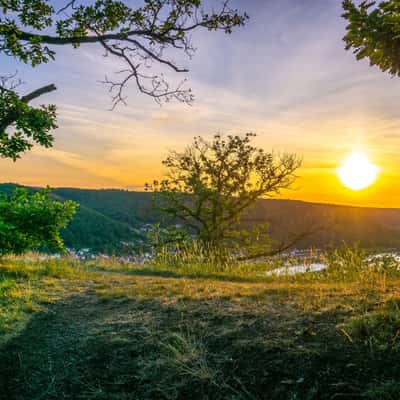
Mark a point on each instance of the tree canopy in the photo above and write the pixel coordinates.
(373, 32)
(212, 183)
(30, 124)
(145, 40)
(29, 221)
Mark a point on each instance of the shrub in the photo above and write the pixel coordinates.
(29, 221)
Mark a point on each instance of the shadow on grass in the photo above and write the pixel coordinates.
(223, 276)
(85, 348)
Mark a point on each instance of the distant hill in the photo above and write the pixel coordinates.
(330, 224)
(108, 218)
(90, 227)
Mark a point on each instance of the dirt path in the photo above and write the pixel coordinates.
(120, 337)
(47, 354)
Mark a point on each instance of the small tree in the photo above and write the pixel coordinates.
(212, 183)
(29, 221)
(373, 32)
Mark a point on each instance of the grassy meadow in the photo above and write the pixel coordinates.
(180, 330)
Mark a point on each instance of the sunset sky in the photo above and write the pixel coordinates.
(285, 76)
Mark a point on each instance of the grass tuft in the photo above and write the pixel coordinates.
(383, 391)
(379, 329)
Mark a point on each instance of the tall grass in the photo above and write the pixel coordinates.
(194, 255)
(353, 263)
(196, 259)
(343, 265)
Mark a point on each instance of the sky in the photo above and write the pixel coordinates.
(284, 76)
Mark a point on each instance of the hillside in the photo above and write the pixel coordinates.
(330, 224)
(90, 228)
(108, 217)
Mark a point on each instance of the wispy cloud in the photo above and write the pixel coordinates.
(285, 76)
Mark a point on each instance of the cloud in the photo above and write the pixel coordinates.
(285, 76)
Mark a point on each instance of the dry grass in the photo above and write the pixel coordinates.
(89, 331)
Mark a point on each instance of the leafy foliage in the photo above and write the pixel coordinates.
(211, 184)
(22, 125)
(379, 329)
(161, 238)
(35, 14)
(373, 32)
(29, 221)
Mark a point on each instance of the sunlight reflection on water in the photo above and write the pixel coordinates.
(319, 266)
(297, 269)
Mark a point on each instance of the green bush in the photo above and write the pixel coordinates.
(30, 221)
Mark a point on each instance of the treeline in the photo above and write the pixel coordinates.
(106, 219)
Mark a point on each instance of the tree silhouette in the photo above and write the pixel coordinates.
(373, 32)
(141, 38)
(212, 183)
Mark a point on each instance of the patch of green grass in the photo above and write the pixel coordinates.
(389, 390)
(378, 329)
(25, 285)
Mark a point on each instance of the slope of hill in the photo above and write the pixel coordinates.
(90, 228)
(330, 224)
(106, 218)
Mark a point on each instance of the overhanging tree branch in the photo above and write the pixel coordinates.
(284, 245)
(29, 124)
(38, 92)
(15, 112)
(138, 37)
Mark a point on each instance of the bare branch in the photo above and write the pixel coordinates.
(38, 92)
(138, 36)
(70, 4)
(157, 86)
(8, 82)
(284, 245)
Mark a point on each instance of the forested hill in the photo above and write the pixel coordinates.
(108, 218)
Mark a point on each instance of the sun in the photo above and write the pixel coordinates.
(357, 172)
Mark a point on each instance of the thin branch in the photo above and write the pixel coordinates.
(68, 5)
(159, 87)
(285, 244)
(137, 36)
(157, 58)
